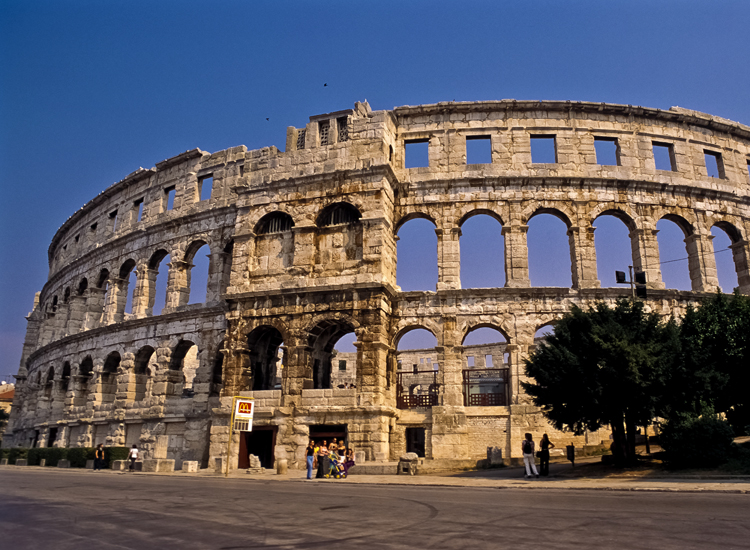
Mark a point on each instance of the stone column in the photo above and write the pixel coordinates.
(94, 307)
(701, 263)
(218, 275)
(76, 314)
(149, 289)
(450, 373)
(61, 321)
(297, 372)
(178, 285)
(119, 298)
(517, 371)
(125, 390)
(583, 257)
(741, 255)
(449, 258)
(645, 249)
(516, 256)
(142, 291)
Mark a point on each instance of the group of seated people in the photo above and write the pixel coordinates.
(331, 460)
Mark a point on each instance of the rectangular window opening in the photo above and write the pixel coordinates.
(416, 153)
(342, 364)
(78, 237)
(301, 139)
(138, 209)
(415, 368)
(435, 366)
(470, 360)
(242, 170)
(169, 194)
(113, 220)
(714, 164)
(478, 150)
(205, 187)
(543, 150)
(93, 228)
(607, 151)
(664, 156)
(323, 127)
(488, 361)
(343, 124)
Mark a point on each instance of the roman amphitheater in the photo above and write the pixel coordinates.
(302, 249)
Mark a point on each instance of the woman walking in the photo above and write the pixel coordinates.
(544, 446)
(527, 448)
(310, 458)
(99, 457)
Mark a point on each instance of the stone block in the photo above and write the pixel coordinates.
(89, 464)
(190, 466)
(494, 456)
(220, 464)
(3, 461)
(161, 465)
(42, 462)
(120, 465)
(22, 462)
(63, 463)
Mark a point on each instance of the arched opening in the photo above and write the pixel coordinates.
(98, 307)
(416, 253)
(49, 383)
(65, 377)
(217, 371)
(549, 251)
(274, 222)
(727, 262)
(613, 247)
(66, 295)
(482, 251)
(142, 371)
(267, 358)
(344, 363)
(109, 377)
(82, 286)
(182, 369)
(128, 281)
(198, 261)
(337, 214)
(673, 230)
(417, 369)
(486, 372)
(85, 371)
(322, 341)
(159, 267)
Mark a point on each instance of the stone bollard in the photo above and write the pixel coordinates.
(22, 462)
(119, 465)
(220, 465)
(190, 466)
(255, 466)
(407, 464)
(42, 462)
(89, 464)
(494, 456)
(360, 457)
(281, 466)
(3, 461)
(63, 463)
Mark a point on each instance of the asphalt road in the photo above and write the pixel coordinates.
(101, 510)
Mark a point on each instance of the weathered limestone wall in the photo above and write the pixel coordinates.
(303, 251)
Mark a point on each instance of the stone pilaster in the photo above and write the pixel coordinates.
(178, 285)
(702, 263)
(741, 255)
(449, 258)
(516, 256)
(646, 255)
(76, 314)
(142, 291)
(583, 257)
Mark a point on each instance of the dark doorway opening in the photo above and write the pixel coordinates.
(52, 437)
(320, 432)
(415, 441)
(260, 442)
(35, 439)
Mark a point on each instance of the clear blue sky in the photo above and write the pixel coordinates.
(91, 90)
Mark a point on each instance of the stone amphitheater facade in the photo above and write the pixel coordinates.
(303, 250)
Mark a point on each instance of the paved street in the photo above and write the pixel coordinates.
(83, 509)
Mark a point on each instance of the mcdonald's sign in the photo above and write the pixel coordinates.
(244, 409)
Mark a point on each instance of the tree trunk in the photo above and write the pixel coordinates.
(619, 445)
(631, 429)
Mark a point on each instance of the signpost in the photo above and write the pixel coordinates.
(240, 421)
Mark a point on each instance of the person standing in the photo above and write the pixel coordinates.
(348, 461)
(322, 461)
(544, 446)
(133, 456)
(310, 458)
(527, 448)
(99, 457)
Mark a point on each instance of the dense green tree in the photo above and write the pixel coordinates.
(714, 373)
(605, 366)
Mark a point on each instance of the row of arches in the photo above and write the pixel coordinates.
(550, 247)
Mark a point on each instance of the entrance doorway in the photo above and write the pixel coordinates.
(319, 432)
(260, 442)
(52, 437)
(415, 441)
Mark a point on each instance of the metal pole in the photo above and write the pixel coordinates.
(632, 283)
(231, 431)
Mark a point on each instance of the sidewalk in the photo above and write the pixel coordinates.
(561, 478)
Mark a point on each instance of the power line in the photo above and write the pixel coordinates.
(683, 259)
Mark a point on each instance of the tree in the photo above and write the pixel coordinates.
(715, 365)
(605, 366)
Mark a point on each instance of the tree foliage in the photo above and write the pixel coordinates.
(715, 367)
(605, 366)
